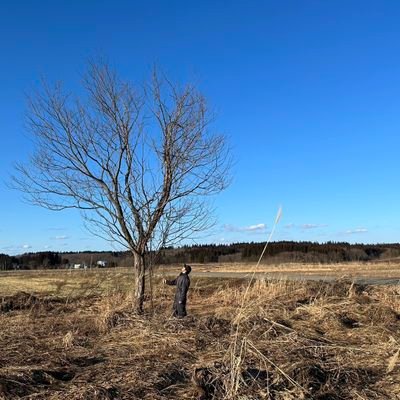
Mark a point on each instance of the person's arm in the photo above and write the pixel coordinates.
(171, 283)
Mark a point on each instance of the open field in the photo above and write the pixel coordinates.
(83, 282)
(370, 273)
(73, 335)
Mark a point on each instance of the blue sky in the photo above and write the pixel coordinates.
(307, 91)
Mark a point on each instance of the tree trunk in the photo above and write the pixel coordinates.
(139, 265)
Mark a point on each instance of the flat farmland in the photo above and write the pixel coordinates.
(384, 272)
(78, 282)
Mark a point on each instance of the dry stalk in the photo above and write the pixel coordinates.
(392, 362)
(283, 373)
(236, 361)
(68, 340)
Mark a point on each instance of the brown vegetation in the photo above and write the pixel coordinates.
(288, 340)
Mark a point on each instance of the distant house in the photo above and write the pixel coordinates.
(102, 263)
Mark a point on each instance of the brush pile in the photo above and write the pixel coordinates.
(287, 341)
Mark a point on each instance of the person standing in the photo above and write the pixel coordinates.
(182, 283)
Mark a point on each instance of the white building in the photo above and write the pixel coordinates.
(102, 263)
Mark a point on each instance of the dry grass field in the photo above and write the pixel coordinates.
(73, 335)
(370, 272)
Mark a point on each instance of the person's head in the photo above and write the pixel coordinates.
(186, 269)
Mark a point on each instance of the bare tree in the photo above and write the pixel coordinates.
(140, 163)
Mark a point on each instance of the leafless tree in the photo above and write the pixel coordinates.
(139, 162)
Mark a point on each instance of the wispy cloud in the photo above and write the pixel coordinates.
(257, 227)
(249, 228)
(312, 226)
(26, 246)
(7, 248)
(355, 231)
(305, 226)
(60, 237)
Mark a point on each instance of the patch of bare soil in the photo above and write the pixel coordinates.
(278, 341)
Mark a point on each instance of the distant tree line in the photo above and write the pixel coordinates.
(52, 260)
(276, 252)
(283, 251)
(45, 259)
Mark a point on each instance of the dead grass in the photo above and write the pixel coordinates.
(66, 283)
(366, 271)
(291, 340)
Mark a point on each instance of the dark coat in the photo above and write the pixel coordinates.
(182, 283)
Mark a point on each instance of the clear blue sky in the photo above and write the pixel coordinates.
(308, 92)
